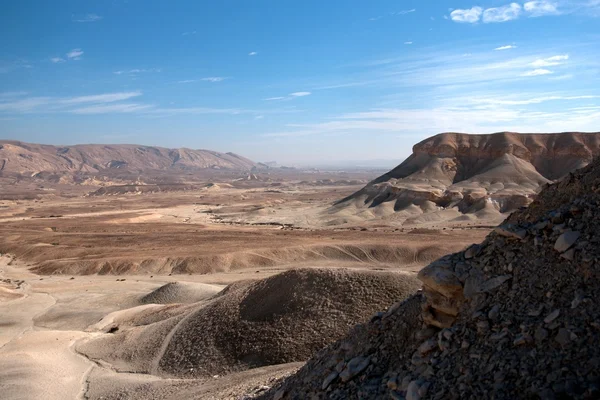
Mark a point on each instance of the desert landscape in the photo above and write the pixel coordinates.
(134, 272)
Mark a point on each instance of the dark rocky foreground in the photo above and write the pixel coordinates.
(514, 317)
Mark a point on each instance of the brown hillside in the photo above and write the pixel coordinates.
(27, 158)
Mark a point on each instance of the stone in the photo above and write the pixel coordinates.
(438, 319)
(494, 312)
(568, 255)
(330, 378)
(354, 367)
(472, 251)
(522, 339)
(427, 347)
(493, 283)
(442, 303)
(440, 279)
(552, 316)
(566, 240)
(541, 334)
(412, 392)
(563, 337)
(392, 383)
(424, 388)
(279, 394)
(510, 232)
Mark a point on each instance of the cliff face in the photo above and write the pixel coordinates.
(470, 173)
(26, 158)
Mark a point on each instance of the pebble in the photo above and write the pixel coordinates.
(563, 337)
(566, 240)
(330, 378)
(354, 367)
(552, 316)
(412, 392)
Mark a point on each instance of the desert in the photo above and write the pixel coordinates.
(299, 200)
(243, 281)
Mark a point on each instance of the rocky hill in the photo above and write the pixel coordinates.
(456, 176)
(515, 317)
(28, 159)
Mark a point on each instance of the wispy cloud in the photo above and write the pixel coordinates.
(101, 98)
(540, 8)
(75, 54)
(502, 14)
(404, 12)
(467, 114)
(53, 104)
(550, 61)
(188, 33)
(408, 42)
(214, 79)
(137, 71)
(111, 108)
(537, 72)
(507, 47)
(253, 53)
(470, 15)
(87, 18)
(187, 81)
(57, 60)
(291, 96)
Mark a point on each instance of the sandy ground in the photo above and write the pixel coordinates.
(78, 265)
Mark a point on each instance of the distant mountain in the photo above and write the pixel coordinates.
(473, 173)
(27, 158)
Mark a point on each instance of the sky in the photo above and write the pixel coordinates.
(295, 81)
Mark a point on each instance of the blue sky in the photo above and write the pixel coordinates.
(295, 81)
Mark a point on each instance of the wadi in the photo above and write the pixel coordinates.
(140, 272)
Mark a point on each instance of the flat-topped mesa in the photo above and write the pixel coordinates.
(497, 173)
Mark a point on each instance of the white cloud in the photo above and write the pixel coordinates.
(57, 60)
(508, 47)
(75, 54)
(300, 94)
(502, 14)
(537, 72)
(253, 53)
(137, 71)
(404, 12)
(101, 98)
(187, 81)
(539, 8)
(550, 61)
(470, 15)
(408, 42)
(188, 33)
(274, 98)
(259, 117)
(111, 108)
(214, 79)
(87, 18)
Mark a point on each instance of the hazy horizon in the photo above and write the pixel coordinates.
(299, 83)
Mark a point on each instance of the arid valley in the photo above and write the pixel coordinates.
(127, 282)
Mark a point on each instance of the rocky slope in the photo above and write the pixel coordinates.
(513, 317)
(281, 319)
(29, 159)
(473, 174)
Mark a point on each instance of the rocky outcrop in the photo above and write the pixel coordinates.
(513, 317)
(27, 158)
(501, 171)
